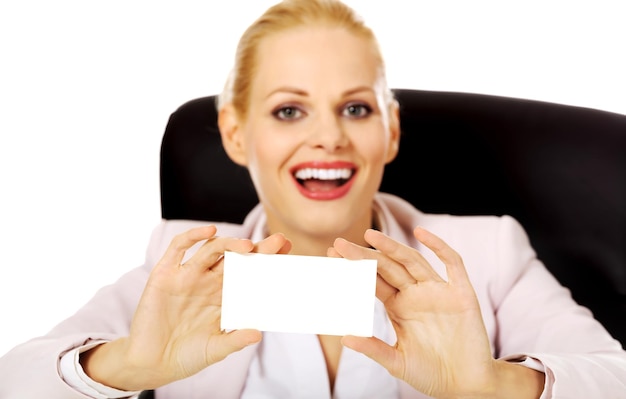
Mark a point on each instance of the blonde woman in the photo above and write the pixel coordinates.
(465, 309)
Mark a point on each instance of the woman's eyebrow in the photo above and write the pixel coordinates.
(358, 90)
(287, 89)
(303, 93)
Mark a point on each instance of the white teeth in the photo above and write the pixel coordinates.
(323, 174)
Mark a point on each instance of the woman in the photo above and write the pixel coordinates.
(466, 310)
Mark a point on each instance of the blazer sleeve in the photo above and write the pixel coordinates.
(31, 369)
(537, 318)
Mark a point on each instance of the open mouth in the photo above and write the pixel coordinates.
(318, 180)
(324, 183)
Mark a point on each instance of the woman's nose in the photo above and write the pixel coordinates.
(328, 133)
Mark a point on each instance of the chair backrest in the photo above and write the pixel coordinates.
(560, 170)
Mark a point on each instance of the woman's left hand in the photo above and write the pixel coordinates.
(442, 346)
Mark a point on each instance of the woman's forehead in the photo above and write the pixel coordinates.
(311, 57)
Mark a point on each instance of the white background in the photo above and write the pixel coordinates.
(86, 89)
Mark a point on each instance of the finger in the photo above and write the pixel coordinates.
(375, 349)
(213, 249)
(454, 263)
(274, 244)
(349, 250)
(384, 290)
(182, 242)
(392, 272)
(410, 258)
(230, 342)
(331, 252)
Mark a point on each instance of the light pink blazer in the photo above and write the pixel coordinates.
(525, 310)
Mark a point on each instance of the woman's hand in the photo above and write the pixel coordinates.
(175, 331)
(442, 346)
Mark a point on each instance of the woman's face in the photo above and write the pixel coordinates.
(317, 134)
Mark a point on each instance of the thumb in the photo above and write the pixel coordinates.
(377, 350)
(231, 342)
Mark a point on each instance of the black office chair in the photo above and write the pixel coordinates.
(560, 170)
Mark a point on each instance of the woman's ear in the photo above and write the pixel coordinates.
(232, 137)
(394, 131)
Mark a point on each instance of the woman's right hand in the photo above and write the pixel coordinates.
(175, 331)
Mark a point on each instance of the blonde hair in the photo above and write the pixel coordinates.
(289, 14)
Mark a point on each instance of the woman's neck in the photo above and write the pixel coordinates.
(313, 244)
(307, 245)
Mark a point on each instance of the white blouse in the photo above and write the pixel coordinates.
(286, 365)
(290, 365)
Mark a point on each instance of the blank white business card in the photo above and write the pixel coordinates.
(298, 294)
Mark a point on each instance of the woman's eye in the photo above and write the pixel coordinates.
(287, 113)
(357, 110)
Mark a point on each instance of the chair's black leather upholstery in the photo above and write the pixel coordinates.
(560, 170)
(146, 395)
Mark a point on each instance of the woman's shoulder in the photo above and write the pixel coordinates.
(406, 216)
(465, 233)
